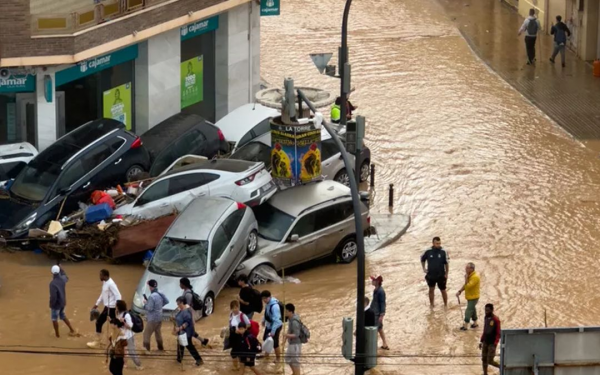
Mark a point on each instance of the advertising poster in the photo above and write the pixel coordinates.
(116, 104)
(295, 153)
(192, 82)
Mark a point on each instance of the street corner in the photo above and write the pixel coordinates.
(388, 228)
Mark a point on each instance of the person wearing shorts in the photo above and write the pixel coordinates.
(294, 348)
(58, 299)
(436, 272)
(249, 346)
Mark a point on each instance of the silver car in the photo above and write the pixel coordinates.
(205, 243)
(301, 224)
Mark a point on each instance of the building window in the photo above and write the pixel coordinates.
(198, 75)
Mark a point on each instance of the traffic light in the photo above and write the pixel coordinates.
(347, 337)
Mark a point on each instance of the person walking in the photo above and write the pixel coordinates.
(531, 27)
(188, 295)
(378, 305)
(126, 332)
(249, 347)
(272, 321)
(184, 324)
(489, 338)
(561, 32)
(235, 318)
(116, 349)
(154, 308)
(294, 348)
(108, 297)
(249, 298)
(370, 320)
(436, 272)
(58, 299)
(471, 288)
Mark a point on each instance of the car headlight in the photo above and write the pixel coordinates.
(24, 226)
(137, 300)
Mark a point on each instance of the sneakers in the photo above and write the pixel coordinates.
(463, 328)
(139, 368)
(199, 363)
(95, 345)
(552, 60)
(204, 342)
(474, 325)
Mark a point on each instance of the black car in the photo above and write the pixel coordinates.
(179, 135)
(97, 155)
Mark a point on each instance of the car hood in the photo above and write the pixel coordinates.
(13, 212)
(169, 286)
(265, 246)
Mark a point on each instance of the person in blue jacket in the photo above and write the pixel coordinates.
(272, 321)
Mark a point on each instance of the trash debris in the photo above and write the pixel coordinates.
(54, 228)
(99, 197)
(97, 213)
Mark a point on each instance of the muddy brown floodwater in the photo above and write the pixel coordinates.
(471, 160)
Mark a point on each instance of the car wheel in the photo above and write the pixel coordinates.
(365, 171)
(252, 245)
(342, 177)
(133, 171)
(259, 275)
(347, 250)
(209, 304)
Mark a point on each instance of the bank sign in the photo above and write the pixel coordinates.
(270, 7)
(17, 83)
(96, 64)
(199, 28)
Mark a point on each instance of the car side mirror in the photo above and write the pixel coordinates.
(213, 265)
(294, 238)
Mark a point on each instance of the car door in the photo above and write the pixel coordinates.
(184, 188)
(230, 257)
(332, 225)
(154, 201)
(296, 252)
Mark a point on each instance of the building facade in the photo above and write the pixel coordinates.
(138, 61)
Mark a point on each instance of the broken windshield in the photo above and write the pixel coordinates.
(180, 257)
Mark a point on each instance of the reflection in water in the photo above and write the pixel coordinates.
(471, 161)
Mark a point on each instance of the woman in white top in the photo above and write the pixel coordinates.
(126, 325)
(235, 339)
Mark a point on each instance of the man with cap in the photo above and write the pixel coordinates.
(378, 306)
(154, 307)
(58, 299)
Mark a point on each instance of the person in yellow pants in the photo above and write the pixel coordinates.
(471, 288)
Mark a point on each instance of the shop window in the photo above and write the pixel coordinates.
(198, 55)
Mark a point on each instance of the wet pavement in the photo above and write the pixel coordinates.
(472, 161)
(568, 95)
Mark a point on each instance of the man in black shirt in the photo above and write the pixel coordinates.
(246, 297)
(369, 315)
(437, 269)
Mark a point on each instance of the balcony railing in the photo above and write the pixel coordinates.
(83, 18)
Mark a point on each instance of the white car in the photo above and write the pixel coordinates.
(240, 180)
(245, 123)
(13, 157)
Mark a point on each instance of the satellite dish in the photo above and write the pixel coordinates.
(320, 60)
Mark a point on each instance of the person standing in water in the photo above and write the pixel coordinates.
(436, 272)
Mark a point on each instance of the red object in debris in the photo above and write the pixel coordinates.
(100, 197)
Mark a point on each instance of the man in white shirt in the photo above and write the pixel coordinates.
(109, 297)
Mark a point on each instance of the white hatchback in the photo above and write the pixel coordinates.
(240, 180)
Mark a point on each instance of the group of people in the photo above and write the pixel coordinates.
(531, 27)
(435, 263)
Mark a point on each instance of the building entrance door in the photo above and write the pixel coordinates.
(26, 118)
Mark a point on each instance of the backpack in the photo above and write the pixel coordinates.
(532, 27)
(254, 328)
(253, 344)
(304, 332)
(138, 323)
(197, 303)
(256, 301)
(268, 316)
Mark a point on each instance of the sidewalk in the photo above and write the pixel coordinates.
(570, 96)
(388, 227)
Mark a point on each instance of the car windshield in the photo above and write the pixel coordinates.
(176, 257)
(253, 151)
(34, 181)
(273, 224)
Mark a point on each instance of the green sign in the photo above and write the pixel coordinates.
(270, 7)
(200, 27)
(116, 103)
(192, 83)
(18, 83)
(96, 64)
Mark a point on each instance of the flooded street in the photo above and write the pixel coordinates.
(471, 161)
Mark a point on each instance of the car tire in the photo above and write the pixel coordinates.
(209, 304)
(347, 250)
(342, 177)
(365, 171)
(133, 171)
(252, 244)
(256, 278)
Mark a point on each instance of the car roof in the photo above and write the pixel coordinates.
(198, 218)
(293, 201)
(239, 121)
(225, 165)
(266, 138)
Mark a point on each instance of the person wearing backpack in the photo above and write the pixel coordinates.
(531, 27)
(249, 298)
(193, 304)
(272, 321)
(248, 347)
(127, 333)
(560, 32)
(295, 337)
(154, 307)
(235, 318)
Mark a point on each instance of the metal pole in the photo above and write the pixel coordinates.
(343, 61)
(360, 242)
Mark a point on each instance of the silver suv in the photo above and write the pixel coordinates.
(301, 224)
